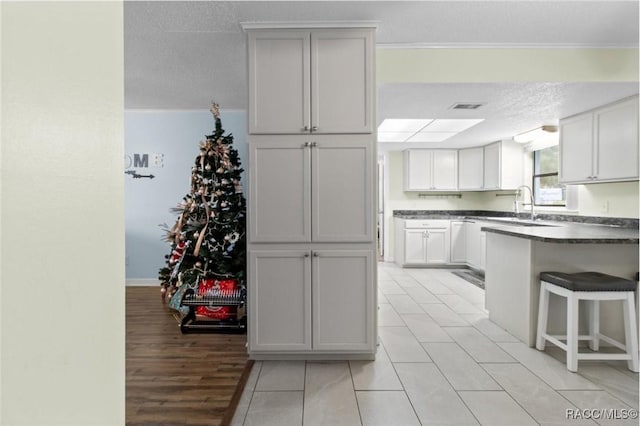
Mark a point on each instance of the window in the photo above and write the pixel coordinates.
(546, 189)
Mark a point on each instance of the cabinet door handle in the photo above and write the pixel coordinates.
(315, 254)
(306, 255)
(305, 128)
(307, 144)
(314, 128)
(313, 144)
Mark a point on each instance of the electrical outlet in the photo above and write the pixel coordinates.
(604, 207)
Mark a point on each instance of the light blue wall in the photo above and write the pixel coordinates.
(175, 134)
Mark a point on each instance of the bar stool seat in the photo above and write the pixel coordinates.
(593, 287)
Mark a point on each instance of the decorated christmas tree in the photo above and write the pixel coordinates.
(208, 244)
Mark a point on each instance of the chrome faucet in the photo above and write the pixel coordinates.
(533, 214)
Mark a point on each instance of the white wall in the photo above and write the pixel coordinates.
(414, 65)
(62, 199)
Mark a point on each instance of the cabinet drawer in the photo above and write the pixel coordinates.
(417, 223)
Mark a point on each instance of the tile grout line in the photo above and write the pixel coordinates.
(355, 392)
(253, 392)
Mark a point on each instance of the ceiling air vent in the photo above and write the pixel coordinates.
(467, 105)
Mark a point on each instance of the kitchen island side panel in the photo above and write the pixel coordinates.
(512, 281)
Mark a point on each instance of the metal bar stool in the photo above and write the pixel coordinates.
(593, 287)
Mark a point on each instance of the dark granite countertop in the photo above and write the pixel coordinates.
(568, 233)
(549, 228)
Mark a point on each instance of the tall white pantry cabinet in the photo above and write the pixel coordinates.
(311, 220)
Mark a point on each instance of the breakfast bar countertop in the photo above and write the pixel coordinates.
(567, 232)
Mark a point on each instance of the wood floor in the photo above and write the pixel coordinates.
(176, 379)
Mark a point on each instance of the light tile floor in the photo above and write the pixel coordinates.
(440, 361)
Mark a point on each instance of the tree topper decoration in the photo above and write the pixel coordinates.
(215, 110)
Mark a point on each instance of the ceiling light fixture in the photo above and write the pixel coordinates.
(423, 130)
(544, 132)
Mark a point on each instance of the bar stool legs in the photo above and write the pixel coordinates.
(593, 298)
(572, 333)
(543, 315)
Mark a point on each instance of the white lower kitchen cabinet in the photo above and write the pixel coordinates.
(415, 247)
(310, 302)
(422, 242)
(475, 244)
(458, 242)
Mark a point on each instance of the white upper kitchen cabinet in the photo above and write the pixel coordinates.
(576, 148)
(471, 168)
(316, 190)
(600, 145)
(311, 81)
(503, 165)
(430, 170)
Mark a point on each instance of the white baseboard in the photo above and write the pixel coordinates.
(142, 282)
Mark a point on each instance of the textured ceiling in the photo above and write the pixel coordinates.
(180, 55)
(510, 108)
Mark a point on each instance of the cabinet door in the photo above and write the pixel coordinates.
(342, 81)
(437, 246)
(279, 81)
(415, 246)
(445, 169)
(483, 250)
(458, 243)
(279, 300)
(471, 168)
(417, 170)
(617, 141)
(576, 148)
(473, 244)
(343, 300)
(492, 166)
(279, 191)
(342, 189)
